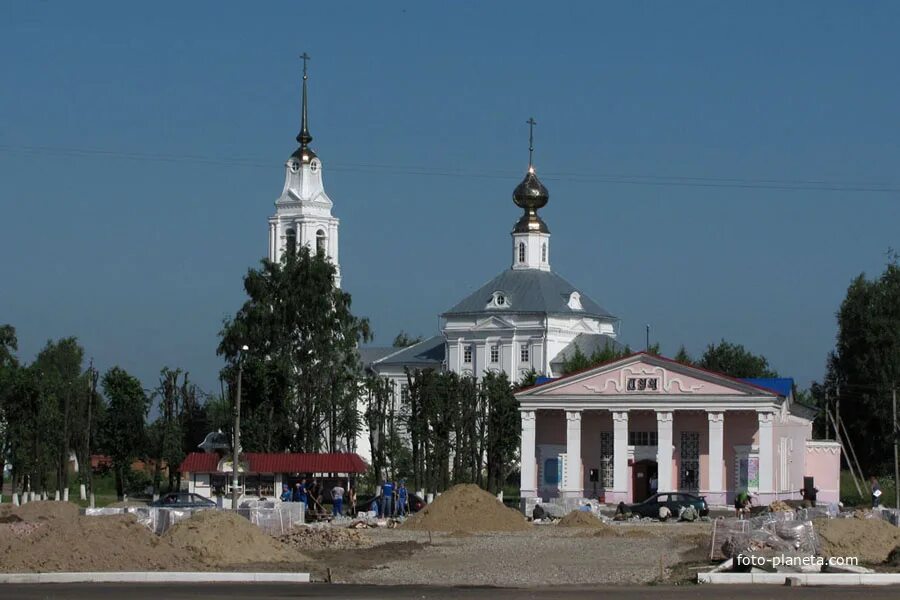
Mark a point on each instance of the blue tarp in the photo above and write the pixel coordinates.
(783, 385)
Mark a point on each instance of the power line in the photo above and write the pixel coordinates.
(371, 168)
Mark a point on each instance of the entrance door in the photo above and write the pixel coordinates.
(641, 473)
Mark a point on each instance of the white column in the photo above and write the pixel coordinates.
(620, 457)
(665, 481)
(271, 241)
(766, 454)
(528, 485)
(574, 478)
(715, 478)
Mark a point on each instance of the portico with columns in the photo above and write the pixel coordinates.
(643, 424)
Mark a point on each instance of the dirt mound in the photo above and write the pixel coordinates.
(580, 518)
(467, 507)
(872, 540)
(46, 510)
(225, 538)
(321, 538)
(52, 537)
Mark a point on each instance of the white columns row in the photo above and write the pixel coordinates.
(528, 484)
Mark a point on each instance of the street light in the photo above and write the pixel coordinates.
(236, 441)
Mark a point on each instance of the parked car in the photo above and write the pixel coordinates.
(183, 500)
(674, 501)
(414, 503)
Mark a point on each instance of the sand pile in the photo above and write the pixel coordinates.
(872, 540)
(467, 507)
(51, 536)
(580, 518)
(321, 538)
(225, 538)
(779, 506)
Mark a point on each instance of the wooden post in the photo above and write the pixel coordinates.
(896, 431)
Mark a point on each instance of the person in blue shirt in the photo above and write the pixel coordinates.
(402, 499)
(387, 498)
(300, 491)
(286, 495)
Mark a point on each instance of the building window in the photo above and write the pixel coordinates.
(404, 394)
(642, 438)
(544, 252)
(690, 461)
(495, 353)
(521, 252)
(290, 237)
(501, 300)
(642, 384)
(320, 241)
(523, 353)
(467, 355)
(607, 452)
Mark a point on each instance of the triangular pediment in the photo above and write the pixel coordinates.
(646, 375)
(492, 322)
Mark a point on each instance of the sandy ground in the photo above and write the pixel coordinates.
(542, 555)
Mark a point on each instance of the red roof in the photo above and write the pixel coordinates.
(261, 462)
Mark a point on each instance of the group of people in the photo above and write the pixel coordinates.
(394, 500)
(314, 493)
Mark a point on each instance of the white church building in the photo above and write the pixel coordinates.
(602, 432)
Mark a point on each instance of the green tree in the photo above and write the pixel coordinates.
(865, 365)
(579, 361)
(123, 430)
(404, 340)
(503, 428)
(683, 357)
(301, 371)
(735, 360)
(9, 366)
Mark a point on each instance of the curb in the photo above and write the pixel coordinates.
(155, 577)
(801, 578)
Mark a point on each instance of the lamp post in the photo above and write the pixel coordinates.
(236, 445)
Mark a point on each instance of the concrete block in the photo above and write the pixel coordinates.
(879, 578)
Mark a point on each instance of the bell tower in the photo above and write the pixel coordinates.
(303, 211)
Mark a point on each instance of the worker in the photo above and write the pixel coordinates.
(300, 491)
(402, 499)
(741, 503)
(351, 496)
(876, 491)
(809, 496)
(387, 498)
(286, 493)
(654, 484)
(337, 501)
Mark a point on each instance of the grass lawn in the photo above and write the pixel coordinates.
(850, 495)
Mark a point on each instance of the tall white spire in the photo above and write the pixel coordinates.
(531, 237)
(303, 211)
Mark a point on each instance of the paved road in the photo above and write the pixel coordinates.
(218, 591)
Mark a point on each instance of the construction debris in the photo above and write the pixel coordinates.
(581, 518)
(779, 506)
(870, 539)
(322, 538)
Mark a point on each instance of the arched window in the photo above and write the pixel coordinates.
(544, 252)
(521, 252)
(320, 241)
(290, 245)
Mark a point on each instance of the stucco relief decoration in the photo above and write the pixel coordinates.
(629, 381)
(527, 416)
(573, 416)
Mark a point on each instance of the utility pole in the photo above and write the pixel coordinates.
(90, 424)
(647, 347)
(236, 442)
(896, 431)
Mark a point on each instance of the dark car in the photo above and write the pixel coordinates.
(674, 501)
(183, 500)
(413, 501)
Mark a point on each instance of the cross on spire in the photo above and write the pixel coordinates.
(531, 123)
(304, 136)
(304, 57)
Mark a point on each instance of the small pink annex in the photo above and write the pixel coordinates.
(643, 424)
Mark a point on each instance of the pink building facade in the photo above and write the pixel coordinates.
(642, 424)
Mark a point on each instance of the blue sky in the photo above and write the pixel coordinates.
(142, 148)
